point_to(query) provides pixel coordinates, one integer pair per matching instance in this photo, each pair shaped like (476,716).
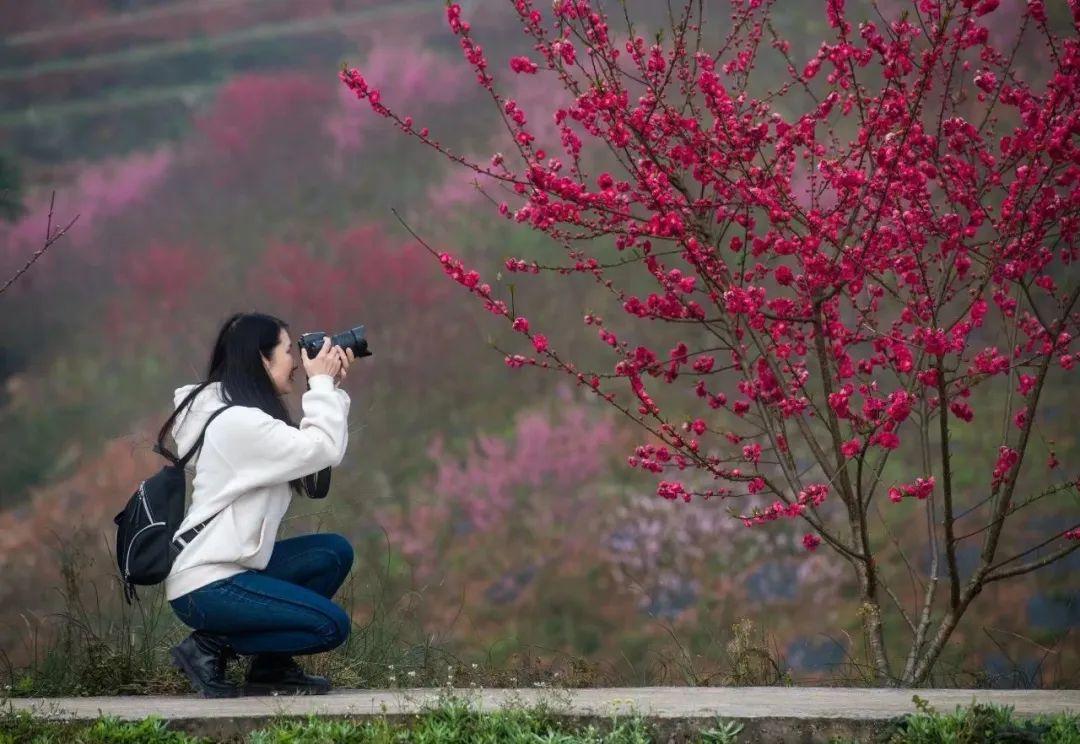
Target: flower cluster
(919,489)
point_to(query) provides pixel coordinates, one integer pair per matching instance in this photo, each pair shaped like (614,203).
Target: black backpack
(145,551)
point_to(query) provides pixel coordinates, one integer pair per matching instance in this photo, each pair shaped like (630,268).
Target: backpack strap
(164,453)
(181,541)
(183,461)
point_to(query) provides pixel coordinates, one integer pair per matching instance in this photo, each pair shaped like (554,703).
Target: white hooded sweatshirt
(243,471)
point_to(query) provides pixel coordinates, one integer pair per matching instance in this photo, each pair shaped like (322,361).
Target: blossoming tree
(846,255)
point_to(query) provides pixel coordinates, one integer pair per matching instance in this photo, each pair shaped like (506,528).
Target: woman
(242,591)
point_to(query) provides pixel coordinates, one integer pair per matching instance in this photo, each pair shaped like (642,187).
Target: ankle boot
(270,673)
(202,657)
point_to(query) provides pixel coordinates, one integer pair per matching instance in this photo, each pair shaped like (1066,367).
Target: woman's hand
(326,362)
(331,360)
(347,357)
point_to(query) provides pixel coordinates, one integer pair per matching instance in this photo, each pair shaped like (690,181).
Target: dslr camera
(350,339)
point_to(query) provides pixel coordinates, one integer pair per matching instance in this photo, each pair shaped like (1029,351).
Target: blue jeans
(284,608)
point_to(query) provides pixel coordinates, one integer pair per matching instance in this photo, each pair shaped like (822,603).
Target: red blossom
(962,410)
(523,64)
(1007,459)
(851,447)
(920,489)
(886,439)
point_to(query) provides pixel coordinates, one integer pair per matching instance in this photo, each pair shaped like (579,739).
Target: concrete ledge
(774,714)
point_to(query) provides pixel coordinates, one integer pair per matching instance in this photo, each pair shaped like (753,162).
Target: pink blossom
(920,489)
(1007,458)
(1020,419)
(899,405)
(851,447)
(962,410)
(523,64)
(1026,384)
(886,439)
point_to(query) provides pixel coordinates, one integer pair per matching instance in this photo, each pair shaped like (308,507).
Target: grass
(99,646)
(980,723)
(19,727)
(454,719)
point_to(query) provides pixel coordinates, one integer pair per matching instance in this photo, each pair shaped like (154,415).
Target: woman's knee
(341,548)
(336,631)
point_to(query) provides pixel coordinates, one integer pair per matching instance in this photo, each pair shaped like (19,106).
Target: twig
(49,240)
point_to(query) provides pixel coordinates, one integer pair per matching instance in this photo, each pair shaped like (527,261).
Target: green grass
(454,719)
(19,727)
(980,723)
(99,646)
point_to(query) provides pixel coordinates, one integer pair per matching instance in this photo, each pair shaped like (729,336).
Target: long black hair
(243,342)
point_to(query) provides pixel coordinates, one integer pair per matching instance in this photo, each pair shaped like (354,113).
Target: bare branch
(1033,565)
(49,240)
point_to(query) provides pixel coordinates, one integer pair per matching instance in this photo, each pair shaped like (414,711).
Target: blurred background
(216,164)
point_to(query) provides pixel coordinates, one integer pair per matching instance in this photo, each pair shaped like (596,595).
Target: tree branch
(1033,565)
(49,240)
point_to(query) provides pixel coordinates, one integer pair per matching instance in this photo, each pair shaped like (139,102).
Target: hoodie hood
(189,423)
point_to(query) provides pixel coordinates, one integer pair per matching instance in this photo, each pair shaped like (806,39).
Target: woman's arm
(265,450)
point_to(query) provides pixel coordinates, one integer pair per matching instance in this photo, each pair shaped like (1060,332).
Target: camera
(350,339)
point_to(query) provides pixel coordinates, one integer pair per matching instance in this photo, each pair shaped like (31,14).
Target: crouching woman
(244,592)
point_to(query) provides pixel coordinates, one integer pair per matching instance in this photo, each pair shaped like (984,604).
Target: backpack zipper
(131,544)
(142,498)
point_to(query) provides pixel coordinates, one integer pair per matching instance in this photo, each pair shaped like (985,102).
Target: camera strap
(317,485)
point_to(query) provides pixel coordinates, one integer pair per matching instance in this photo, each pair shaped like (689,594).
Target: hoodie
(243,471)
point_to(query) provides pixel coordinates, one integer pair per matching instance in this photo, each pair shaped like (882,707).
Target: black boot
(271,673)
(202,658)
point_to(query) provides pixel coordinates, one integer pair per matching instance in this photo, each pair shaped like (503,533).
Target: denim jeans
(284,608)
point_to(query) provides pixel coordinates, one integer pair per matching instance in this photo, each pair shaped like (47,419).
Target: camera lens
(350,339)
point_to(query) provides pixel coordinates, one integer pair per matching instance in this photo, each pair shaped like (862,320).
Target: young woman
(242,591)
